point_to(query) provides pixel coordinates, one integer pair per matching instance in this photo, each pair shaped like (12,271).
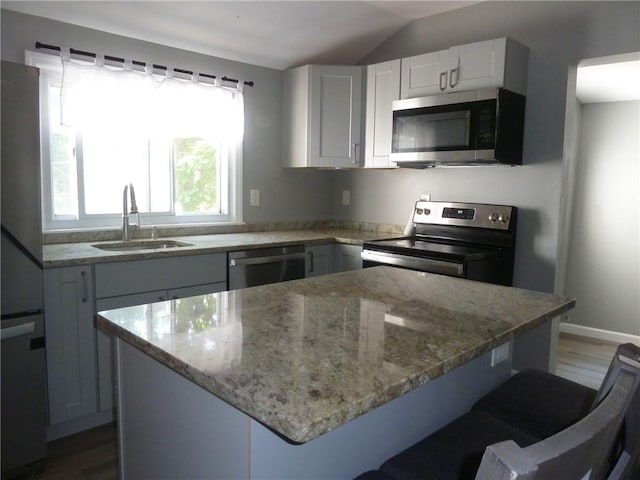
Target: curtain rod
(40,45)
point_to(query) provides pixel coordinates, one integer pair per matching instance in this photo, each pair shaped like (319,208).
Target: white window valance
(124,99)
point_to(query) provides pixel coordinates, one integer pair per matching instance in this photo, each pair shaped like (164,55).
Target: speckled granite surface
(69,254)
(306,356)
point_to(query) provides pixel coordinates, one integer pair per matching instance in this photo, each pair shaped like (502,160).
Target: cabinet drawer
(125,278)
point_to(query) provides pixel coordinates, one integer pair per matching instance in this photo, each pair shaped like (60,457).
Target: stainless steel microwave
(475,127)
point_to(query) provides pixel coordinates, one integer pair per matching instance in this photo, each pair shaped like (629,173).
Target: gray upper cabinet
(322,116)
(496,63)
(383,87)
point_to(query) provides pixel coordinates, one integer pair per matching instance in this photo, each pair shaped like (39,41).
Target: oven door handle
(452,269)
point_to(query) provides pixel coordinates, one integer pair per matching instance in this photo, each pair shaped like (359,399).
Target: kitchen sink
(134,245)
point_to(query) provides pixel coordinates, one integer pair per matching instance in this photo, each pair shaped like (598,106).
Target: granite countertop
(82,253)
(306,356)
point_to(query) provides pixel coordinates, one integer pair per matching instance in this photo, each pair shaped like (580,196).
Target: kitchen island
(317,378)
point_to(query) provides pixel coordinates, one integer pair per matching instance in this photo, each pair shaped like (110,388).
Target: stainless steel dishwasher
(249,268)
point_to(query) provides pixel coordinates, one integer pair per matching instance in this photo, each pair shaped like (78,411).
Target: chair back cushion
(582,450)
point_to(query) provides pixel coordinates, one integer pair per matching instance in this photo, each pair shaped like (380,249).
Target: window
(182,172)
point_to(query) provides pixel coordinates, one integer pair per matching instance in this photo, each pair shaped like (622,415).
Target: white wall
(284,194)
(603,258)
(558,34)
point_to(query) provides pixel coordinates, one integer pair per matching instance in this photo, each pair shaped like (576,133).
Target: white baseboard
(608,335)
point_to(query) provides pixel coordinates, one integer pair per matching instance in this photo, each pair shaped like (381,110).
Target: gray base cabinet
(161,274)
(332,258)
(347,257)
(161,412)
(71,343)
(123,284)
(79,357)
(319,260)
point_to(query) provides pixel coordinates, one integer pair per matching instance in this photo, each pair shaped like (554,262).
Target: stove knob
(493,217)
(504,218)
(427,211)
(419,211)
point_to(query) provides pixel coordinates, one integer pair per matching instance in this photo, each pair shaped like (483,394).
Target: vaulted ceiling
(275,34)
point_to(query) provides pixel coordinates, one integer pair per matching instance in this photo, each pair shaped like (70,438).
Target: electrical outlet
(500,354)
(346,197)
(425,196)
(255,198)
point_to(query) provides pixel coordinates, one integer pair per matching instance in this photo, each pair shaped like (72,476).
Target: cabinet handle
(454,74)
(354,154)
(311,267)
(83,274)
(443,84)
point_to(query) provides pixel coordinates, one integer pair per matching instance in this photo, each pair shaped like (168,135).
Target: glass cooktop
(424,248)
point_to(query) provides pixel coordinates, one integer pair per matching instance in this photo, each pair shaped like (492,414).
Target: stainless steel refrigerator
(23,375)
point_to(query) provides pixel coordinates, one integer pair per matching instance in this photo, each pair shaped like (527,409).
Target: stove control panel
(497,217)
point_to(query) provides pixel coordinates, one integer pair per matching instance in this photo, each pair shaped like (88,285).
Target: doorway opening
(599,232)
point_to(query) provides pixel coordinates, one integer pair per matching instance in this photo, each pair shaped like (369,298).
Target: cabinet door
(421,74)
(295,117)
(348,257)
(477,65)
(335,116)
(383,87)
(106,383)
(138,276)
(196,290)
(71,340)
(319,260)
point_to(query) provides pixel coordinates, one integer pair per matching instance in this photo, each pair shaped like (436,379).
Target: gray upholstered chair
(539,418)
(588,449)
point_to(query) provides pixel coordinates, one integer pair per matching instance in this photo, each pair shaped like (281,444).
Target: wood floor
(89,455)
(93,455)
(584,360)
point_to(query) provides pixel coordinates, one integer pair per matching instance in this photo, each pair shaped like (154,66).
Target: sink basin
(133,245)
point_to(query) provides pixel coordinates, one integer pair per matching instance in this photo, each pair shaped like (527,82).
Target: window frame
(230,195)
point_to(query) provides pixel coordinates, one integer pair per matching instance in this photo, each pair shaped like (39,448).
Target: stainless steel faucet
(126,211)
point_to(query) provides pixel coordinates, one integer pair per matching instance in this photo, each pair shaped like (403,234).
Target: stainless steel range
(466,240)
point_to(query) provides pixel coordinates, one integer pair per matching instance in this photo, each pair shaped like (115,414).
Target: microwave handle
(443,80)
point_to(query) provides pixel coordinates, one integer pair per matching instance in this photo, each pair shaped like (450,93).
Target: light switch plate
(255,198)
(500,354)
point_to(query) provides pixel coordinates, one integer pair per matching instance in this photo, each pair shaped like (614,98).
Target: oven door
(372,258)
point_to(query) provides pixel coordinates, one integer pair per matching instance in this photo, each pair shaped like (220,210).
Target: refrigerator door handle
(18,330)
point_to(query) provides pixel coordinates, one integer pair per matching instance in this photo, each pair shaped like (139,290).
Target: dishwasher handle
(239,262)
